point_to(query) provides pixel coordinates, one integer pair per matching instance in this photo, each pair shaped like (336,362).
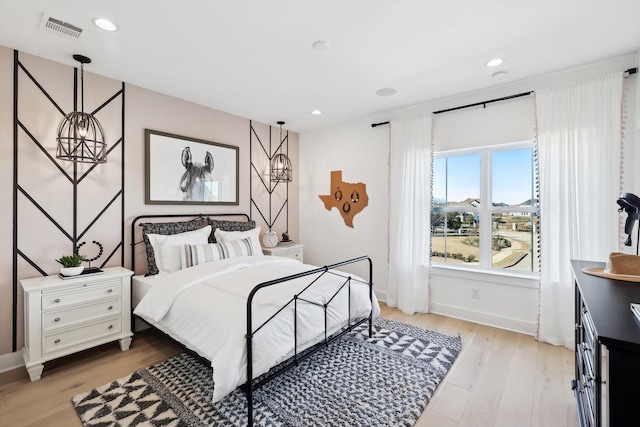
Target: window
(467,231)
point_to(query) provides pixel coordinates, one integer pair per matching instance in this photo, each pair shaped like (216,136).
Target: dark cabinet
(607,349)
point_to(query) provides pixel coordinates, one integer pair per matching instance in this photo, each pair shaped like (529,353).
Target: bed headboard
(137,234)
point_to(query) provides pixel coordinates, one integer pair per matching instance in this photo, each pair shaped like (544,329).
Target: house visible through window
(468,231)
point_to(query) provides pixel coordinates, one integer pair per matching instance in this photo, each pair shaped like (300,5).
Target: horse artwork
(180,170)
(196,183)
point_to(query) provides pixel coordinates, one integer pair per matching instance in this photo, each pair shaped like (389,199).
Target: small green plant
(74,260)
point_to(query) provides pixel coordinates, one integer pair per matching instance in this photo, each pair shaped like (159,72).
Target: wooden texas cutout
(349,199)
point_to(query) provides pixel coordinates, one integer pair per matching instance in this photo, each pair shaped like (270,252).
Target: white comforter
(204,307)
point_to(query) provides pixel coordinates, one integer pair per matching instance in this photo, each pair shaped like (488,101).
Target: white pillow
(230,236)
(199,254)
(166,248)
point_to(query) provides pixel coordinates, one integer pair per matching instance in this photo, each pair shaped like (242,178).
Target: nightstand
(286,250)
(62,317)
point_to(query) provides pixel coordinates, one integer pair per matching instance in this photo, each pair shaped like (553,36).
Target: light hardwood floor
(500,378)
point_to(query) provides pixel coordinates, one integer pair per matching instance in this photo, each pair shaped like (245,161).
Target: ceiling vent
(60,27)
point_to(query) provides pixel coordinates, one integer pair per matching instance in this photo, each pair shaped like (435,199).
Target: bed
(209,287)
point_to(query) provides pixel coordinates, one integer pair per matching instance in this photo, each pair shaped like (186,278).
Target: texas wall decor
(350,199)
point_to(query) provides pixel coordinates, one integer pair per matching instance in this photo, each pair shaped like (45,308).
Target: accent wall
(144,109)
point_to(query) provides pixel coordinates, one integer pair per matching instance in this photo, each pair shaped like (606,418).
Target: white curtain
(579,132)
(409,214)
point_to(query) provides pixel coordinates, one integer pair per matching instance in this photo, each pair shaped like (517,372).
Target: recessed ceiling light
(386,91)
(494,62)
(105,24)
(500,75)
(316,112)
(321,45)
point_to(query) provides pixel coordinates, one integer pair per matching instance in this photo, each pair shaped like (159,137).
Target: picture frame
(181,170)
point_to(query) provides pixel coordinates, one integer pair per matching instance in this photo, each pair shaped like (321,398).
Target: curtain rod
(627,72)
(379,124)
(504,98)
(467,106)
(484,103)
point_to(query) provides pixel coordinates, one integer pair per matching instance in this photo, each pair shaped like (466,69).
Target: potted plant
(71,264)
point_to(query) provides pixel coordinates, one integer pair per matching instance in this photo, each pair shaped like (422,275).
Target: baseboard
(11,361)
(381,295)
(515,325)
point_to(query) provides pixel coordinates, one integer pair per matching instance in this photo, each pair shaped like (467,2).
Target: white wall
(362,152)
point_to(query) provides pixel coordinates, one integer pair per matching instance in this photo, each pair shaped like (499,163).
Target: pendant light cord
(82,87)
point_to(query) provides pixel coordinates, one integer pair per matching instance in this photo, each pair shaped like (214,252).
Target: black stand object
(630,203)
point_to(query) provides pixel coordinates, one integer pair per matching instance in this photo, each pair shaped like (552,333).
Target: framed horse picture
(183,170)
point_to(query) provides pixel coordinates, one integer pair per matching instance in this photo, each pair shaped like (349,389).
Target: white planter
(71,271)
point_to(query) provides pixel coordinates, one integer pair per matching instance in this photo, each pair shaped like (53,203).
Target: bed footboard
(252,384)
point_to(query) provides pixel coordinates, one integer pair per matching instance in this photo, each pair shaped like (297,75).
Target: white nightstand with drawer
(62,317)
(287,250)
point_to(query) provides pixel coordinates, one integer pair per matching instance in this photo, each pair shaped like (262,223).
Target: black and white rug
(356,381)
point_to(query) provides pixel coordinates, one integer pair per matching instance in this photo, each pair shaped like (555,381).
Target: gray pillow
(166,228)
(229,226)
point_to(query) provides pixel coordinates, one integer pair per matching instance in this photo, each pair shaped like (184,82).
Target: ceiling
(254,58)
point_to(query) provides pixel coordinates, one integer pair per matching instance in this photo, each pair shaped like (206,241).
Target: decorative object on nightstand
(89,269)
(286,250)
(71,264)
(64,317)
(270,239)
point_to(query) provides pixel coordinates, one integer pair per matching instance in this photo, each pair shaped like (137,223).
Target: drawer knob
(57,341)
(57,319)
(110,307)
(110,326)
(110,290)
(56,300)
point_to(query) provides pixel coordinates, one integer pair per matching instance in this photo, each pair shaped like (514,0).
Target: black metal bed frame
(253,384)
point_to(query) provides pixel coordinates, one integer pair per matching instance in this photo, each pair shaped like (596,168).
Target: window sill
(512,278)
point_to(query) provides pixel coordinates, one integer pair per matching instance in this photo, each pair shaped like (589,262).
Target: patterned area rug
(356,381)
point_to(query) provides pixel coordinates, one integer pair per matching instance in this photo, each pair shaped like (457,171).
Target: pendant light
(80,135)
(281,170)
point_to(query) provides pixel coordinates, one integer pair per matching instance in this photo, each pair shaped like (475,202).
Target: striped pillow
(199,254)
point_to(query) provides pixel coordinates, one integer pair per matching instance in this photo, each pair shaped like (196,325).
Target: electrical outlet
(475,293)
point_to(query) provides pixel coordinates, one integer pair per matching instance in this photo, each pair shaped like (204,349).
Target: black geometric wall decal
(74,235)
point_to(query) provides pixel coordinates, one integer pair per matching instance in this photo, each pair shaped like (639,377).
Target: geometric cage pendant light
(281,170)
(80,135)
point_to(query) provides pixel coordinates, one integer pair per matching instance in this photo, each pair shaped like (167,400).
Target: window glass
(463,180)
(513,241)
(508,238)
(512,177)
(439,189)
(455,238)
